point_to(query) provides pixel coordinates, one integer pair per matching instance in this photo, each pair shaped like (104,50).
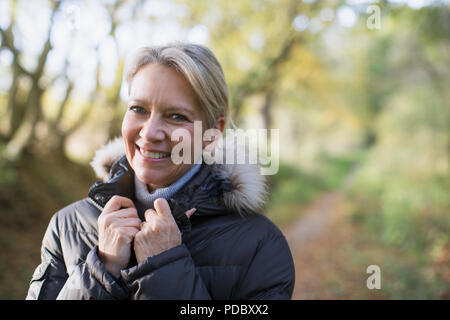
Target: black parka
(227,251)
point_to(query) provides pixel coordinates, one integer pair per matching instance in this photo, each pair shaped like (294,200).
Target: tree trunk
(25,132)
(266,110)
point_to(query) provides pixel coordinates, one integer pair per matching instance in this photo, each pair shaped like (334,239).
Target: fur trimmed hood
(249,192)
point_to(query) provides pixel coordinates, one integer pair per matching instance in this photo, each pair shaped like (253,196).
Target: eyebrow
(167,107)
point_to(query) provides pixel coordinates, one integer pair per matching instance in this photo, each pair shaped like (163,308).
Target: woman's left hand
(159,232)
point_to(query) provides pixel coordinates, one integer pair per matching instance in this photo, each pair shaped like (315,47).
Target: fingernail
(190,212)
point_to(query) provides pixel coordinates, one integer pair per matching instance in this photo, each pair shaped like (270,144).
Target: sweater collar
(146,198)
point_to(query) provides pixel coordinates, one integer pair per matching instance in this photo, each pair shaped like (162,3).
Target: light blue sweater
(146,198)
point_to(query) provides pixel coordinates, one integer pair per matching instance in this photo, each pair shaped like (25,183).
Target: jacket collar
(215,189)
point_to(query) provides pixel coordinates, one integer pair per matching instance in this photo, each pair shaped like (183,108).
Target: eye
(138,110)
(178,117)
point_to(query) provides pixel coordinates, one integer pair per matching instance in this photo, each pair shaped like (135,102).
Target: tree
(24,110)
(260,32)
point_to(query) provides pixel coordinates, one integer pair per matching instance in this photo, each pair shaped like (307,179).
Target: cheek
(124,126)
(188,136)
(129,132)
(186,141)
(129,128)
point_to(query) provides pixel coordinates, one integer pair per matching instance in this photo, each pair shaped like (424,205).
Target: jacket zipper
(99,207)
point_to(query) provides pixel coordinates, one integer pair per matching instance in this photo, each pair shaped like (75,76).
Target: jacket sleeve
(271,273)
(168,275)
(89,279)
(50,276)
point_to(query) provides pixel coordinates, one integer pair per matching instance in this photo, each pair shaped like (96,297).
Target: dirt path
(313,241)
(314,220)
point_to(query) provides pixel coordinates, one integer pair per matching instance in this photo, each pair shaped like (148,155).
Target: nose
(153,129)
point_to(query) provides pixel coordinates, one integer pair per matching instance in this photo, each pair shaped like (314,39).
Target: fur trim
(249,195)
(250,191)
(106,156)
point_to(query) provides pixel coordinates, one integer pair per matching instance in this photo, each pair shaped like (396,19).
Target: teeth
(154,155)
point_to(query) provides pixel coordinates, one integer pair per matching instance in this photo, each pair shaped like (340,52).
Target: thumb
(162,207)
(148,213)
(190,212)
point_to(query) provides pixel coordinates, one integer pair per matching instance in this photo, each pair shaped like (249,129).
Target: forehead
(156,84)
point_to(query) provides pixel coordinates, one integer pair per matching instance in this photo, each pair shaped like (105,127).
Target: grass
(41,186)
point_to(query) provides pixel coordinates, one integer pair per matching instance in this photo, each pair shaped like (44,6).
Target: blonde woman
(156,229)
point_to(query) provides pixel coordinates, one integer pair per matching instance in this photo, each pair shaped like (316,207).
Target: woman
(153,229)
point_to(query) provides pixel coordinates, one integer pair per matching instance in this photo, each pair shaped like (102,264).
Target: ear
(220,123)
(220,126)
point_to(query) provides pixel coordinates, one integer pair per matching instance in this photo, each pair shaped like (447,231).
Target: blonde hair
(199,66)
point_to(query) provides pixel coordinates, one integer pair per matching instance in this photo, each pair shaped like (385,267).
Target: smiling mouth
(153,155)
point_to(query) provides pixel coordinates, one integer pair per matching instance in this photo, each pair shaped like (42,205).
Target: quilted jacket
(228,250)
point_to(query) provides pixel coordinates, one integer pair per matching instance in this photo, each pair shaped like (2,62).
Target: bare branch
(47,46)
(63,103)
(7,42)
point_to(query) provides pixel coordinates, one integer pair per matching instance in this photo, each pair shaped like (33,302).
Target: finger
(162,207)
(116,203)
(148,213)
(126,213)
(129,232)
(110,217)
(129,222)
(190,212)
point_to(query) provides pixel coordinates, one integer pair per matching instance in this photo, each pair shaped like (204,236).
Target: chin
(159,176)
(150,177)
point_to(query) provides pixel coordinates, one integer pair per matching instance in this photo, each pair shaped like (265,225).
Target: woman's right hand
(117,225)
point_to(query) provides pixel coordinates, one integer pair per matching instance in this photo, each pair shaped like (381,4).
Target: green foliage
(400,191)
(291,188)
(8,173)
(292,185)
(401,196)
(335,169)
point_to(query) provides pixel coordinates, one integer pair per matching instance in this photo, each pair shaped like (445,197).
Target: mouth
(153,155)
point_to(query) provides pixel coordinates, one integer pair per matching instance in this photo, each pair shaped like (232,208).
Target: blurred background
(359,90)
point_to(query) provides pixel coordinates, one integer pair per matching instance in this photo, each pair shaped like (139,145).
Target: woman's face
(161,101)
